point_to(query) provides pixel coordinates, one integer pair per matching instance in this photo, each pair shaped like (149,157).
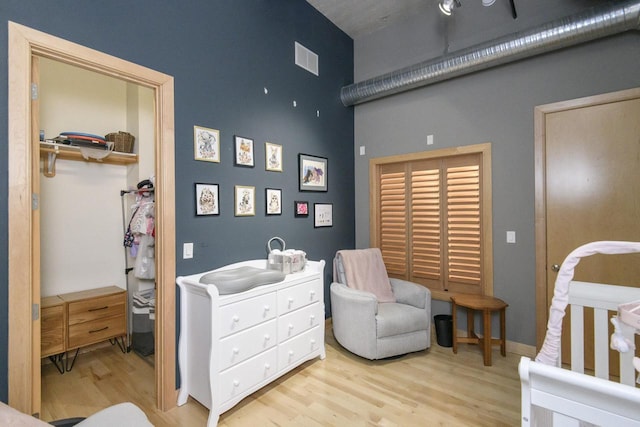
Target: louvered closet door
(463,224)
(392,230)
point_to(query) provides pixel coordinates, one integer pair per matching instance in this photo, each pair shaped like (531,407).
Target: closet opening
(69,190)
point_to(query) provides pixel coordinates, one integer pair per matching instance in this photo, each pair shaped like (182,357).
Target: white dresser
(232,345)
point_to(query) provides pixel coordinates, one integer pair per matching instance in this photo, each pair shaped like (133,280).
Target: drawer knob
(267,308)
(313,342)
(312,293)
(236,383)
(267,337)
(236,350)
(290,326)
(312,317)
(236,318)
(267,366)
(290,301)
(291,353)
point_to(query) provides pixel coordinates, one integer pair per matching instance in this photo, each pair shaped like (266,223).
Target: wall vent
(306,59)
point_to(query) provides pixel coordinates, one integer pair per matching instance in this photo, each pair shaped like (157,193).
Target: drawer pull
(99,330)
(267,366)
(99,308)
(236,383)
(267,308)
(312,293)
(290,302)
(236,350)
(267,337)
(236,318)
(290,326)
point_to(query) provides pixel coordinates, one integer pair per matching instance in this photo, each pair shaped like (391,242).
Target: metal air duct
(596,23)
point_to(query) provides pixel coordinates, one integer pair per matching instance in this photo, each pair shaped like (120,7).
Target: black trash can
(444,329)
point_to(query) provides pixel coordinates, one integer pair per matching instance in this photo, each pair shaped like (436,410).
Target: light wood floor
(431,388)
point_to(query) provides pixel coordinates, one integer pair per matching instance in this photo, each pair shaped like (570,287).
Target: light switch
(187,251)
(511,236)
(362,150)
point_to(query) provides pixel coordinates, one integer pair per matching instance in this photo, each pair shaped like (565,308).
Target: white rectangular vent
(306,59)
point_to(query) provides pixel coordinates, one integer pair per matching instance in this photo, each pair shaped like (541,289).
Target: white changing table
(232,345)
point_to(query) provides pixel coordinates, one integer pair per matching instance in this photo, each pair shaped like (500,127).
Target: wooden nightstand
(78,319)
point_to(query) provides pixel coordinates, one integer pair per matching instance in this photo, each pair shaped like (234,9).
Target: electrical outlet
(511,236)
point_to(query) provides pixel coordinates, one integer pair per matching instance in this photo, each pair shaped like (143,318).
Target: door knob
(555,267)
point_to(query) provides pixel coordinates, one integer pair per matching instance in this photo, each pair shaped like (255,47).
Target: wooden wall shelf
(50,152)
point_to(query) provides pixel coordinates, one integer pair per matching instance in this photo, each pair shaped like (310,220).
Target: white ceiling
(359,17)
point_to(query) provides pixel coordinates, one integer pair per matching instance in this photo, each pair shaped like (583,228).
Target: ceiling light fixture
(446,6)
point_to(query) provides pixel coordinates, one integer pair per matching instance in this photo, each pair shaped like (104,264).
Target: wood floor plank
(429,388)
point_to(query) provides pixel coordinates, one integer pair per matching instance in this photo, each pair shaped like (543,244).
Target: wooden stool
(487,305)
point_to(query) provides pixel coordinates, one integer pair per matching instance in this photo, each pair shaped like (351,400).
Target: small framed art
(312,173)
(273,157)
(301,208)
(206,144)
(245,200)
(273,201)
(323,215)
(207,199)
(243,151)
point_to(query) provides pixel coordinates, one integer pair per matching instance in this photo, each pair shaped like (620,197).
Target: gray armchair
(373,329)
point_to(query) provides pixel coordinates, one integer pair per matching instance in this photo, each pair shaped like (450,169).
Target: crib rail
(601,298)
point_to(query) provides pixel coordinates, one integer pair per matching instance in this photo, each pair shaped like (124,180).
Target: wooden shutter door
(463,224)
(392,231)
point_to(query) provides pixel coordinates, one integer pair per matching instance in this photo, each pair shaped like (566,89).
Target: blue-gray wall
(222,55)
(494,105)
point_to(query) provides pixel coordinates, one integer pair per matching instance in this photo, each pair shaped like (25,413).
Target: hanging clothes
(140,236)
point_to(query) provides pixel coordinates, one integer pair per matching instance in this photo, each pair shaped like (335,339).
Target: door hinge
(35,312)
(34,201)
(34,91)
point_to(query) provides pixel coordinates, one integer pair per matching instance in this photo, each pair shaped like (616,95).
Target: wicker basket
(122,141)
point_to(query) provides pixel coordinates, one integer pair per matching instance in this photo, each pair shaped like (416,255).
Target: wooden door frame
(23,174)
(540,113)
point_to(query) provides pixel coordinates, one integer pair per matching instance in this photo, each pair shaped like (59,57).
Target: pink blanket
(364,270)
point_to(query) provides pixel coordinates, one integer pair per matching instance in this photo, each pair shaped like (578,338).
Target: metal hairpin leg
(75,356)
(57,360)
(121,343)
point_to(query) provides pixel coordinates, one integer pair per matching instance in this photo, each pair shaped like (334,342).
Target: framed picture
(273,157)
(273,201)
(312,173)
(323,215)
(301,208)
(245,201)
(243,151)
(206,143)
(207,199)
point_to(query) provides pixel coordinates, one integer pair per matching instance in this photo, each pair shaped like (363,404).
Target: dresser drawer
(244,314)
(298,321)
(87,333)
(298,347)
(297,296)
(235,381)
(52,328)
(96,308)
(243,345)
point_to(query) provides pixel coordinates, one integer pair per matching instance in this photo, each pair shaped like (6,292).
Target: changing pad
(241,279)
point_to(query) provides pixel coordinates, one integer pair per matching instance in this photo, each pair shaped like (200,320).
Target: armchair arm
(411,293)
(354,319)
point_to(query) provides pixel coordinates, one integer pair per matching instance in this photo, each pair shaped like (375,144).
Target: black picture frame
(207,197)
(312,173)
(322,215)
(301,208)
(243,152)
(273,201)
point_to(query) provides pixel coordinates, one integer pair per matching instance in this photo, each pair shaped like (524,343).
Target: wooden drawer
(52,326)
(88,333)
(101,307)
(297,296)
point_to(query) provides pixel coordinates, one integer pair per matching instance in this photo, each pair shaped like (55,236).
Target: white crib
(552,396)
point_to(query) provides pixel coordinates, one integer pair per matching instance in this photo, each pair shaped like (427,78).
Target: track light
(446,6)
